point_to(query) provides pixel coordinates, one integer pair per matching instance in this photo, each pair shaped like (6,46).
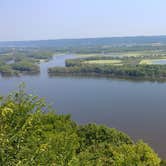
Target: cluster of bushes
(32,55)
(18,67)
(32,134)
(6,70)
(41,55)
(25,66)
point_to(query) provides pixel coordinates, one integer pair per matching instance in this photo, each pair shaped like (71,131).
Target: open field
(87,55)
(153,62)
(138,54)
(131,54)
(121,54)
(112,62)
(154,53)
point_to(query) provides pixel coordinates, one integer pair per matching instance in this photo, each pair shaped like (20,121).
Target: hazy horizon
(52,19)
(83,38)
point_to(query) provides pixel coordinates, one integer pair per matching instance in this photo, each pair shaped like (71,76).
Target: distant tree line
(131,70)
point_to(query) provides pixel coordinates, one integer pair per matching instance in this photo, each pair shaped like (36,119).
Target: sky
(57,19)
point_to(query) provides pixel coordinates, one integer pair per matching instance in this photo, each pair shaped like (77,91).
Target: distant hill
(86,42)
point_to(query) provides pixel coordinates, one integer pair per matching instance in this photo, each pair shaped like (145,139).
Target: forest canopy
(31,133)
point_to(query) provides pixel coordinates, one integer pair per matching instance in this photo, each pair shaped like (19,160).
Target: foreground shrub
(32,134)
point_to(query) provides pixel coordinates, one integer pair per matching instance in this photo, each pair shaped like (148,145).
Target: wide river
(135,107)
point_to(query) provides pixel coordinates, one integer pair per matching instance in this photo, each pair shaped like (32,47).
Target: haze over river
(135,107)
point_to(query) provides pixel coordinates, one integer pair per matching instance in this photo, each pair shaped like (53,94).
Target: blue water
(159,62)
(137,108)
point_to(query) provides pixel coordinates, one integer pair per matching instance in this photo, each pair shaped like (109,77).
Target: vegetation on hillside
(33,134)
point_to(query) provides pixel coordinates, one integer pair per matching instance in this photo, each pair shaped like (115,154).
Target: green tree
(33,134)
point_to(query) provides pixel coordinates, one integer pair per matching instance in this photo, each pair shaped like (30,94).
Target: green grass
(146,62)
(126,54)
(129,54)
(113,62)
(87,55)
(139,54)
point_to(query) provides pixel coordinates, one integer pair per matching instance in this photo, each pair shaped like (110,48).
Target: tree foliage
(32,134)
(130,68)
